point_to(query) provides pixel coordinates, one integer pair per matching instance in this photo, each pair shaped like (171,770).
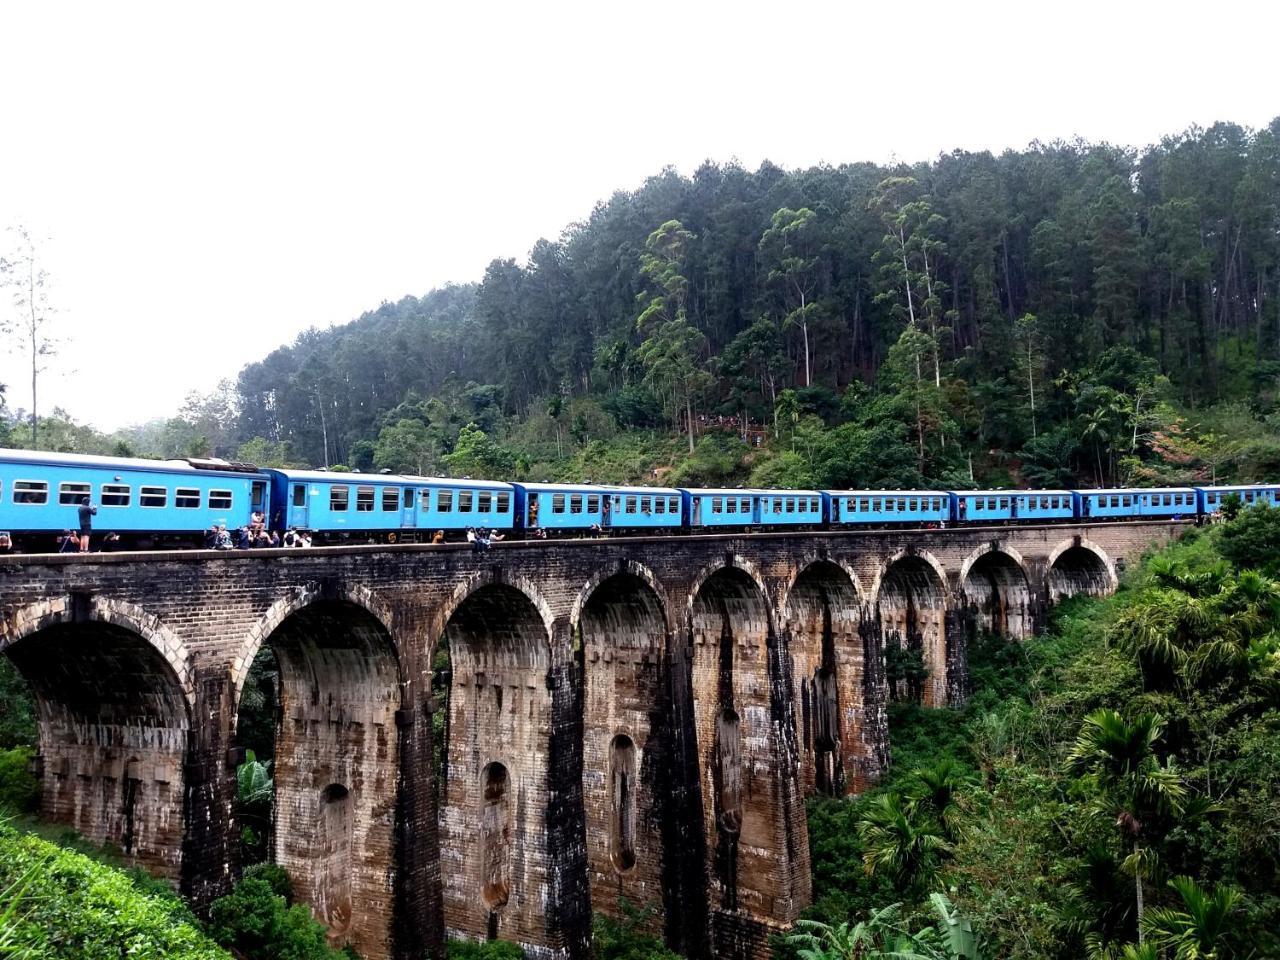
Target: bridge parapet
(626,717)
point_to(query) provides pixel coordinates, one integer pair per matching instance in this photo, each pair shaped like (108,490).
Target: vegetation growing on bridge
(1115,779)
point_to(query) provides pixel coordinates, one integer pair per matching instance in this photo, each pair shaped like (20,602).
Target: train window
(864,505)
(575,503)
(116,494)
(484,502)
(660,505)
(631,504)
(153,497)
(913,504)
(299,494)
(364,499)
(30,491)
(464,501)
(70,494)
(646,505)
(444,501)
(744,506)
(731,505)
(557,503)
(813,505)
(1004,503)
(593,503)
(890,505)
(504,502)
(408,498)
(1128,501)
(673,504)
(338,497)
(717,505)
(220,499)
(391,498)
(188,498)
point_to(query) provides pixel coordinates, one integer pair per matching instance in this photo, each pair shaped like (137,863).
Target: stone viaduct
(626,718)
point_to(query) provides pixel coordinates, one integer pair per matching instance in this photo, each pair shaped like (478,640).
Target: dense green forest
(1068,313)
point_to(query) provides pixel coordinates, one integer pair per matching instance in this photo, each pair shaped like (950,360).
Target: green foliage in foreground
(19,789)
(1109,791)
(258,922)
(484,950)
(73,908)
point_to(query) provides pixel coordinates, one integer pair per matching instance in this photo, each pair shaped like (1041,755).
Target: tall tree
(790,250)
(28,281)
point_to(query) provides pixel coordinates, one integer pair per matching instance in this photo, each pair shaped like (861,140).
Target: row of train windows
(367,499)
(36,492)
(892,505)
(771,504)
(1109,501)
(574,503)
(1246,496)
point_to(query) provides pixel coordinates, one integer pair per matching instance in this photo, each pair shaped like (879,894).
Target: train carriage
(1123,502)
(994,506)
(711,508)
(1209,499)
(344,506)
(888,506)
(147,502)
(578,507)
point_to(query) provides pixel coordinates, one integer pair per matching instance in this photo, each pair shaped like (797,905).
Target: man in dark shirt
(87,511)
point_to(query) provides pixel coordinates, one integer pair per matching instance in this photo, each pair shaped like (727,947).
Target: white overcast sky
(215,178)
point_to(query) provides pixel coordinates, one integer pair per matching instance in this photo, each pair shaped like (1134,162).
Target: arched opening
(737,740)
(836,710)
(622,803)
(113,732)
(493,818)
(333,851)
(1078,570)
(495,838)
(325,687)
(998,595)
(912,609)
(624,640)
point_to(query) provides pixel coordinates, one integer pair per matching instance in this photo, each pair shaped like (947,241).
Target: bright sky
(215,178)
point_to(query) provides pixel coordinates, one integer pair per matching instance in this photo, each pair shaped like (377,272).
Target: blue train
(155,503)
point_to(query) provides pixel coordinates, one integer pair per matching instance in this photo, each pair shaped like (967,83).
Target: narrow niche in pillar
(729,770)
(334,876)
(622,798)
(826,732)
(495,842)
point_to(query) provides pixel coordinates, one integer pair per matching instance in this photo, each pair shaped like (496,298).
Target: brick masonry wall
(558,649)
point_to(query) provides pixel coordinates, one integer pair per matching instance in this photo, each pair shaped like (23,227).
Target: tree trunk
(1031,385)
(688,411)
(1137,883)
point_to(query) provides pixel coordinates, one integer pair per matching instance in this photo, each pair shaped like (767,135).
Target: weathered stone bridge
(637,718)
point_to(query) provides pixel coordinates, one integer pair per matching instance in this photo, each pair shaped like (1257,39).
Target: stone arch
(624,631)
(746,753)
(337,755)
(731,562)
(298,598)
(475,582)
(113,695)
(823,615)
(996,588)
(912,598)
(499,717)
(1079,566)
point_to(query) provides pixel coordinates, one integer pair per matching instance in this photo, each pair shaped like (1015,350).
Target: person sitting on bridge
(111,542)
(6,542)
(223,541)
(256,523)
(68,542)
(439,537)
(211,537)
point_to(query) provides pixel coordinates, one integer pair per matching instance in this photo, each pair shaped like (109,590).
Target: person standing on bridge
(87,511)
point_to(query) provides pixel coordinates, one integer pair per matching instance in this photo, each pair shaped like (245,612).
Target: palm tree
(936,790)
(880,937)
(1198,930)
(894,840)
(1119,756)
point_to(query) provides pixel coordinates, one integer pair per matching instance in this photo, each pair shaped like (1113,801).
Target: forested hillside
(1068,313)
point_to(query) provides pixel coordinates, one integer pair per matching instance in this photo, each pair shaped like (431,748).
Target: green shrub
(276,876)
(75,909)
(628,938)
(484,950)
(257,923)
(19,789)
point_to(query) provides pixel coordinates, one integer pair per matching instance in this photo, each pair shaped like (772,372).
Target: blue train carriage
(147,502)
(1209,499)
(386,507)
(578,507)
(879,507)
(1122,503)
(997,506)
(711,508)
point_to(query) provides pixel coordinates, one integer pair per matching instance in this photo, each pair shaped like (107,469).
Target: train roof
(598,488)
(52,459)
(1242,486)
(746,492)
(328,476)
(1133,490)
(1012,492)
(884,493)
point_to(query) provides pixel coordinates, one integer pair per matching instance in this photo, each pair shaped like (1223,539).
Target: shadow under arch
(1079,566)
(839,710)
(911,604)
(496,826)
(113,705)
(997,590)
(337,759)
(628,779)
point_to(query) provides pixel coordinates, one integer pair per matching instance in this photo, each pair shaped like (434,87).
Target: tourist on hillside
(87,511)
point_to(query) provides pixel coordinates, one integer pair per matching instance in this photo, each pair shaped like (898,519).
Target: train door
(258,497)
(408,515)
(298,506)
(755,510)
